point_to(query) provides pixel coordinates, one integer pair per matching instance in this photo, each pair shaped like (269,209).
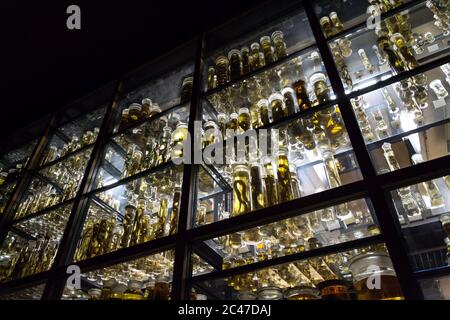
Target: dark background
(44,65)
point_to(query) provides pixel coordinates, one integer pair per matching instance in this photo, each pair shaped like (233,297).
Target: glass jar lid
(245,50)
(234,52)
(255,46)
(146,102)
(234,115)
(370,263)
(243,110)
(270,293)
(135,107)
(277,36)
(263,103)
(222,117)
(302,290)
(96,292)
(246,295)
(324,20)
(275,96)
(264,39)
(221,60)
(316,77)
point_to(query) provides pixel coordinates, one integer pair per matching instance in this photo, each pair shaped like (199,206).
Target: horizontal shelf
(433,273)
(253,73)
(215,275)
(141,174)
(303,205)
(64,157)
(383,16)
(22,234)
(106,207)
(25,282)
(42,212)
(149,119)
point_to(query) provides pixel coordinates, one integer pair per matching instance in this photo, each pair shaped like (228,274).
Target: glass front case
(31,244)
(423,212)
(147,278)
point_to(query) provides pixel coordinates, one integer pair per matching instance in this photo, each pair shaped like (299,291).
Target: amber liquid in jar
(277,107)
(284,176)
(244,119)
(302,95)
(222,70)
(390,289)
(241,190)
(234,56)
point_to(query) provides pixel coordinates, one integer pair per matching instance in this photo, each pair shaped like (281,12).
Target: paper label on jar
(433,48)
(439,103)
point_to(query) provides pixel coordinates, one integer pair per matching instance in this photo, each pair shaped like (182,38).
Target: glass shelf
(423,212)
(54,184)
(147,278)
(31,246)
(405,120)
(317,160)
(13,162)
(309,279)
(135,212)
(31,293)
(6,191)
(338,224)
(418,41)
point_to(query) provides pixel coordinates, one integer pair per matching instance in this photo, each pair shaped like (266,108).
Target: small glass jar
(135,112)
(301,92)
(162,288)
(337,24)
(222,123)
(222,70)
(146,107)
(279,44)
(319,83)
(246,60)
(326,25)
(334,290)
(134,291)
(257,60)
(314,243)
(124,119)
(95,294)
(367,266)
(277,106)
(186,89)
(244,119)
(290,100)
(264,111)
(212,78)
(270,293)
(302,293)
(235,59)
(211,132)
(438,89)
(179,135)
(233,122)
(269,53)
(331,169)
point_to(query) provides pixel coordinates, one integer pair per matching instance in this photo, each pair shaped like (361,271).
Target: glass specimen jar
(433,192)
(279,44)
(438,89)
(222,70)
(212,78)
(135,112)
(290,100)
(302,293)
(326,25)
(212,133)
(241,190)
(124,119)
(162,288)
(366,62)
(270,293)
(146,106)
(154,110)
(244,120)
(405,51)
(295,182)
(264,112)
(337,24)
(381,126)
(257,60)
(390,156)
(331,169)
(259,195)
(134,291)
(334,290)
(269,182)
(319,83)
(235,59)
(94,294)
(374,265)
(222,123)
(233,122)
(277,106)
(302,95)
(283,176)
(179,135)
(246,295)
(246,60)
(267,49)
(186,89)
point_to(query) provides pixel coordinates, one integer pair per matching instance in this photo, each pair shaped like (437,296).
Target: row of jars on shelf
(13,173)
(65,177)
(243,61)
(20,258)
(321,278)
(88,137)
(151,213)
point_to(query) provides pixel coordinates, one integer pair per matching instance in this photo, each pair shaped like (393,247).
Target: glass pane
(399,43)
(339,276)
(73,135)
(258,39)
(157,86)
(329,226)
(423,211)
(338,15)
(200,266)
(32,293)
(147,278)
(54,184)
(6,191)
(13,162)
(143,147)
(304,157)
(404,124)
(436,288)
(138,211)
(31,245)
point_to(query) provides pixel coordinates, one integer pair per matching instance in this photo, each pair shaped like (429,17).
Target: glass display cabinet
(291,153)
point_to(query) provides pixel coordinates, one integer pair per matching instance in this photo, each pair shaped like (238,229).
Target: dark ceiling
(45,65)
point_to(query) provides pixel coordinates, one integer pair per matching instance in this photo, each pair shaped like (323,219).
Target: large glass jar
(186,89)
(222,70)
(246,60)
(179,135)
(269,54)
(241,190)
(258,60)
(235,59)
(374,277)
(279,44)
(277,106)
(135,112)
(319,83)
(264,112)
